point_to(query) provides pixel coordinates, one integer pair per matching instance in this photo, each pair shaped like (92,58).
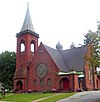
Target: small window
(40,51)
(22,47)
(34,82)
(41,82)
(89,74)
(49,82)
(32,47)
(21,72)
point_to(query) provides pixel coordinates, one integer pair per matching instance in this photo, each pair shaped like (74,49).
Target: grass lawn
(11,97)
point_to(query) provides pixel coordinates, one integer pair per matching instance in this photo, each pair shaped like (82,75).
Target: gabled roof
(27,25)
(66,60)
(57,57)
(75,57)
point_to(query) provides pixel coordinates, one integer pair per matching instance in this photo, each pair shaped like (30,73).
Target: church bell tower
(27,44)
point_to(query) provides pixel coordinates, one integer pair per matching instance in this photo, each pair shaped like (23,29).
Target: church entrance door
(65,84)
(19,86)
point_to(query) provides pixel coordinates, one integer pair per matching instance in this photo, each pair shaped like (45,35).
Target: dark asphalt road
(88,96)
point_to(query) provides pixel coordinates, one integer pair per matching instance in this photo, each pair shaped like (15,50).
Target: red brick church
(41,68)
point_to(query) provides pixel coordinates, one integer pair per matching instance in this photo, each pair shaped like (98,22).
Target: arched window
(49,82)
(41,82)
(32,46)
(22,47)
(34,82)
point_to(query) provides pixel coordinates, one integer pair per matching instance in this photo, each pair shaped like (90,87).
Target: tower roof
(27,25)
(59,46)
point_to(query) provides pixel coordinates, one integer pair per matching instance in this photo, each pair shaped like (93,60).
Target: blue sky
(54,20)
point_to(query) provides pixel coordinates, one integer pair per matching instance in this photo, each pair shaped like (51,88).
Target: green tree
(94,39)
(7,68)
(98,33)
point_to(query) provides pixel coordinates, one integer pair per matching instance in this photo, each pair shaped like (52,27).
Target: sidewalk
(46,97)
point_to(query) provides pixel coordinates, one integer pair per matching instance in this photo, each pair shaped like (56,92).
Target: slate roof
(57,57)
(75,58)
(27,25)
(68,59)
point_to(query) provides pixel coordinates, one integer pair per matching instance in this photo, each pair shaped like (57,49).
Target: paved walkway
(46,97)
(88,96)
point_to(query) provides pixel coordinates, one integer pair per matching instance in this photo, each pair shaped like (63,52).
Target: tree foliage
(94,61)
(94,39)
(7,68)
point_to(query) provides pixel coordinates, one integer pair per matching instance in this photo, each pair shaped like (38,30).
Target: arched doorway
(19,86)
(65,84)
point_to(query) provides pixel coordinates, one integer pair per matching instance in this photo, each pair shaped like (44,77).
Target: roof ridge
(49,47)
(76,47)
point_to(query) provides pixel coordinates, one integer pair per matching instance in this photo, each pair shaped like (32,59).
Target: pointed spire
(27,25)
